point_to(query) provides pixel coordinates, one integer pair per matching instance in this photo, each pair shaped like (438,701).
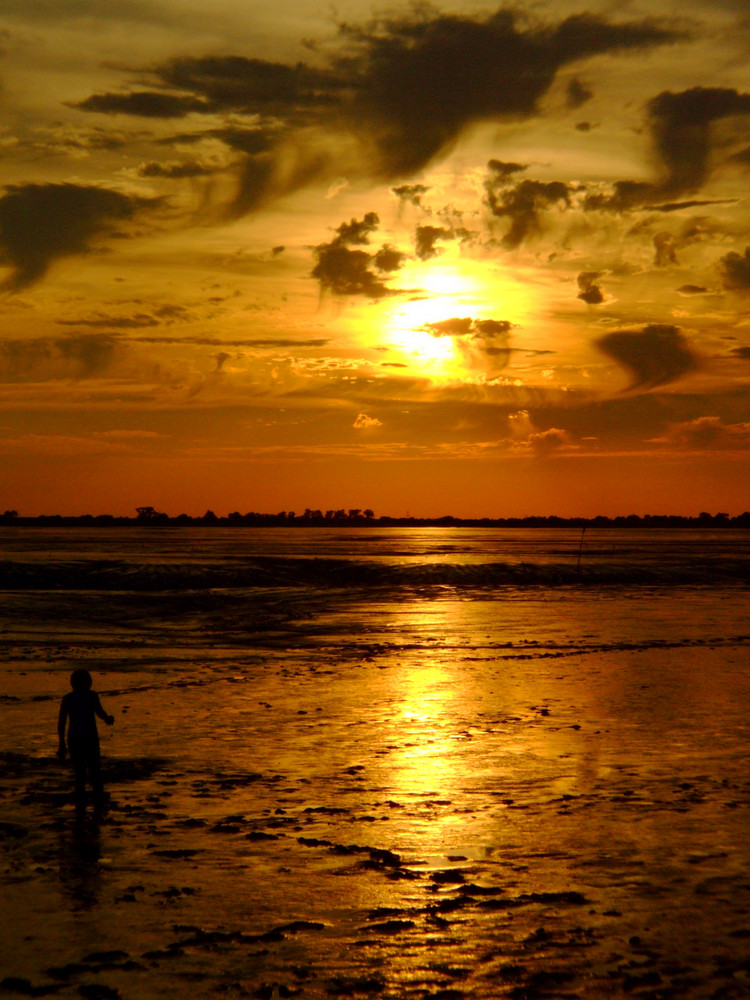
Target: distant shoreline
(150,518)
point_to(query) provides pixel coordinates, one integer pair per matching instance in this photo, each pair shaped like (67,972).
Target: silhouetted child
(79,708)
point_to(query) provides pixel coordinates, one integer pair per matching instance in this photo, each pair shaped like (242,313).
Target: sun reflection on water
(427,758)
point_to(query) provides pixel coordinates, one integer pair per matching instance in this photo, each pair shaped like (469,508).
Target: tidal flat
(391,789)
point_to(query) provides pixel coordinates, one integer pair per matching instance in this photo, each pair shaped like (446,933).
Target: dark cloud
(347,272)
(256,86)
(680,127)
(45,358)
(455,327)
(188,168)
(272,342)
(656,355)
(267,176)
(461,326)
(523,203)
(388,259)
(493,327)
(590,290)
(404,87)
(736,270)
(679,206)
(490,344)
(90,355)
(412,193)
(72,10)
(549,442)
(741,352)
(665,245)
(252,140)
(637,194)
(75,142)
(625,195)
(172,313)
(39,223)
(358,231)
(577,93)
(419,81)
(144,104)
(246,140)
(501,170)
(692,290)
(426,238)
(22,360)
(681,131)
(135,322)
(343,271)
(162,315)
(700,229)
(588,35)
(710,432)
(485,343)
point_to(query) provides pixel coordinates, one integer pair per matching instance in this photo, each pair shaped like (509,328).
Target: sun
(444,293)
(449,289)
(410,332)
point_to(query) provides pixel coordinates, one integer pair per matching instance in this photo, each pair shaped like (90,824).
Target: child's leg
(78,757)
(93,759)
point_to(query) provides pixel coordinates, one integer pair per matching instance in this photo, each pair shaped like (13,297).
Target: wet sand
(340,793)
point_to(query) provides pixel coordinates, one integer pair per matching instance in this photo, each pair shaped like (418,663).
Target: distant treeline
(149,517)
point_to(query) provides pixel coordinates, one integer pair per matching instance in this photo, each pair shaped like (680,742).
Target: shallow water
(139,558)
(390,791)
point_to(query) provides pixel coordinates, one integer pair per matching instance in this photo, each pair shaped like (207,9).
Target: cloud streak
(144,104)
(43,358)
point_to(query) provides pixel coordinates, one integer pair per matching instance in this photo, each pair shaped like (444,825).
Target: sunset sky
(428,259)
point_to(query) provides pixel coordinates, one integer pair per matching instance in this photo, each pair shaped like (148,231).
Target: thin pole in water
(580,549)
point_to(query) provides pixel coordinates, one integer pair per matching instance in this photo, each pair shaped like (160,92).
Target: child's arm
(109,719)
(61,719)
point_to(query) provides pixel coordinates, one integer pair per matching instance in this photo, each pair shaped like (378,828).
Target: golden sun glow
(410,334)
(445,292)
(452,289)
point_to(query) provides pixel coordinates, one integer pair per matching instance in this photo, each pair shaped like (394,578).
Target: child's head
(80,680)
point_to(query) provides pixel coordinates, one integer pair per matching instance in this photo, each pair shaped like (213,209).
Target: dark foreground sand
(389,796)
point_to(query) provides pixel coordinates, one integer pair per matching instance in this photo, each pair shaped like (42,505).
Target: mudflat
(381,792)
